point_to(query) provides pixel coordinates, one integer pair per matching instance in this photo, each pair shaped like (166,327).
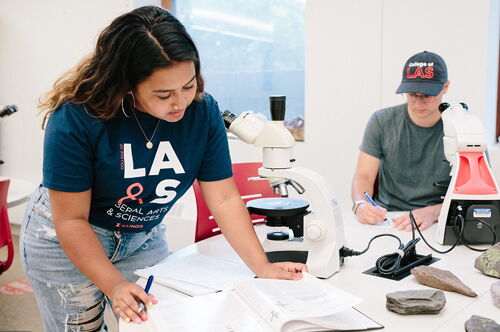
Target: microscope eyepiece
(277,105)
(443,107)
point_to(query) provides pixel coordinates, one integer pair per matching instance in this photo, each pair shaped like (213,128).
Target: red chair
(205,222)
(5,234)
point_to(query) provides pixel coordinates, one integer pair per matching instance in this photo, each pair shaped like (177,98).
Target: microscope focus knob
(314,232)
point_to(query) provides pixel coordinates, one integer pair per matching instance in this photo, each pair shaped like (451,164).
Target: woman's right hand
(126,297)
(369,214)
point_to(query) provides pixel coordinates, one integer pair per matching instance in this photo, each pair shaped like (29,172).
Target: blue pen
(368,197)
(146,289)
(372,202)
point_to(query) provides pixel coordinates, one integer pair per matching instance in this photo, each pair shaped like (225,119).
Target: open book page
(219,312)
(214,274)
(281,301)
(347,320)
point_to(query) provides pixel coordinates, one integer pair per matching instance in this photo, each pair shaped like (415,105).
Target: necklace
(149,144)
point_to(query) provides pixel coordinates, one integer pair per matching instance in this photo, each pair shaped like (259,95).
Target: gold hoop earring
(133,98)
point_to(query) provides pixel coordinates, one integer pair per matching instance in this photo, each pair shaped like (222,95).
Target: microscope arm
(275,140)
(252,130)
(463,131)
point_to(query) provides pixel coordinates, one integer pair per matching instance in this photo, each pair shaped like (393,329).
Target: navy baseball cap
(424,73)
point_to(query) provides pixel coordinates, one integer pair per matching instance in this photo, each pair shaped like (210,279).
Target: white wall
(355,50)
(39,40)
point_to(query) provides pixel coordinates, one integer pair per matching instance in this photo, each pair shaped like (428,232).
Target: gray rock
(441,279)
(489,262)
(416,302)
(481,324)
(495,293)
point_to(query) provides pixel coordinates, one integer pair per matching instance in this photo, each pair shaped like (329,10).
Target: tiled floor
(20,312)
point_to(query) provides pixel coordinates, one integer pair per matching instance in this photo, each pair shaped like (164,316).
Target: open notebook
(196,274)
(308,304)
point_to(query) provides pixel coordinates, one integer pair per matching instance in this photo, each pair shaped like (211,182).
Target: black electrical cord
(386,264)
(465,242)
(346,252)
(460,222)
(415,226)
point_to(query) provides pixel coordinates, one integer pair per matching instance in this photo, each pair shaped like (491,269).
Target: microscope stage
(277,206)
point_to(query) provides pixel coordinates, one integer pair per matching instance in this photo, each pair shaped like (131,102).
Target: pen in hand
(146,289)
(372,202)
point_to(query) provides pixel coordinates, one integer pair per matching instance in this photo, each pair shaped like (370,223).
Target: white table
(19,191)
(460,261)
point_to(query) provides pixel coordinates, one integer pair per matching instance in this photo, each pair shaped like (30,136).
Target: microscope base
(476,213)
(296,256)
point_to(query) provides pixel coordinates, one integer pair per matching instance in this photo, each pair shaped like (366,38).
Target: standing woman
(128,131)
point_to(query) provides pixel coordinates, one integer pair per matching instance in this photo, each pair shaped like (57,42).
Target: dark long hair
(127,52)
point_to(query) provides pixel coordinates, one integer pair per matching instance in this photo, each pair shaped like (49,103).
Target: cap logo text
(419,72)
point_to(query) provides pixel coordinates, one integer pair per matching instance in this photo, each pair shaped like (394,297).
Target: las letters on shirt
(164,150)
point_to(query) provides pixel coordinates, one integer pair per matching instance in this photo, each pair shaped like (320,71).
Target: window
(250,50)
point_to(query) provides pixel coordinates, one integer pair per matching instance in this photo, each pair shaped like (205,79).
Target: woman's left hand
(282,270)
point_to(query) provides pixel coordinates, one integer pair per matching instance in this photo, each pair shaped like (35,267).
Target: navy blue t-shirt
(133,187)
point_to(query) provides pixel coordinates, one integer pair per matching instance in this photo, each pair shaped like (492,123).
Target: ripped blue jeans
(67,299)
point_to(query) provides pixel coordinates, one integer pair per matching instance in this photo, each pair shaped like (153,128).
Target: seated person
(403,144)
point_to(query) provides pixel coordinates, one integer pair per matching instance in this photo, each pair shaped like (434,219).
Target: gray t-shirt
(411,159)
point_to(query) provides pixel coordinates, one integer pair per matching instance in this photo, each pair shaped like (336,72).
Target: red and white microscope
(472,202)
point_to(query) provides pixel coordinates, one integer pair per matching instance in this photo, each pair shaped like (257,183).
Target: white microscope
(472,200)
(318,233)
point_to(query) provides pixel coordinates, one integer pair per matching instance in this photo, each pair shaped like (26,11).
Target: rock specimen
(441,279)
(416,302)
(495,293)
(489,262)
(481,324)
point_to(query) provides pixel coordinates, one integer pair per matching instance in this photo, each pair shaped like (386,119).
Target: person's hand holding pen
(124,297)
(370,213)
(146,289)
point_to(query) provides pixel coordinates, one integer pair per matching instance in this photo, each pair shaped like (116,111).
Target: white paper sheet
(199,270)
(220,312)
(390,215)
